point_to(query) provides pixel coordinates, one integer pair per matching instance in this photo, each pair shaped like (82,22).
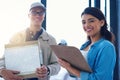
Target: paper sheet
(24,58)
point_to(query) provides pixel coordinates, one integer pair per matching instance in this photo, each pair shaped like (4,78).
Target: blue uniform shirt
(101,58)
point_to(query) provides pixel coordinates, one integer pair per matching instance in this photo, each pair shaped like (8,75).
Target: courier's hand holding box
(23,57)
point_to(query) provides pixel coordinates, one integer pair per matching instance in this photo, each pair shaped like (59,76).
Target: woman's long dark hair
(99,15)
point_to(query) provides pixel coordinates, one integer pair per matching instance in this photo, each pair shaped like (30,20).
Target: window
(13,18)
(64,20)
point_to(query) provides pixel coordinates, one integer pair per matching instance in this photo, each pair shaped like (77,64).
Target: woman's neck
(95,38)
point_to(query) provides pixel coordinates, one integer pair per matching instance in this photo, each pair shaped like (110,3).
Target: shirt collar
(88,42)
(44,35)
(40,34)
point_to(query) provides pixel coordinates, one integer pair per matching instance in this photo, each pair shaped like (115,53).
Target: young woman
(99,50)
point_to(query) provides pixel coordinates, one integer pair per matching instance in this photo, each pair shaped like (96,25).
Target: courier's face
(36,16)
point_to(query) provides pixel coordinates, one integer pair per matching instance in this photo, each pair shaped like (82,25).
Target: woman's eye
(83,22)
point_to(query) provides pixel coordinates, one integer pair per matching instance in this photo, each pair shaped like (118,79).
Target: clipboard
(23,57)
(72,55)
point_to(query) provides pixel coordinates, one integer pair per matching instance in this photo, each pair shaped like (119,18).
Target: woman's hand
(64,64)
(70,69)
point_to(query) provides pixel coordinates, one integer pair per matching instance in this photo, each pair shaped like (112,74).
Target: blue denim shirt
(101,58)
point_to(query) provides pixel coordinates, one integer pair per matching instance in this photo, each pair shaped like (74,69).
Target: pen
(40,53)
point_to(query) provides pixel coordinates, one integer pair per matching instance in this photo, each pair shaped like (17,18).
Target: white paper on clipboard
(23,57)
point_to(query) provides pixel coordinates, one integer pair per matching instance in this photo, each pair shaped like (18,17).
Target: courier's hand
(42,72)
(10,75)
